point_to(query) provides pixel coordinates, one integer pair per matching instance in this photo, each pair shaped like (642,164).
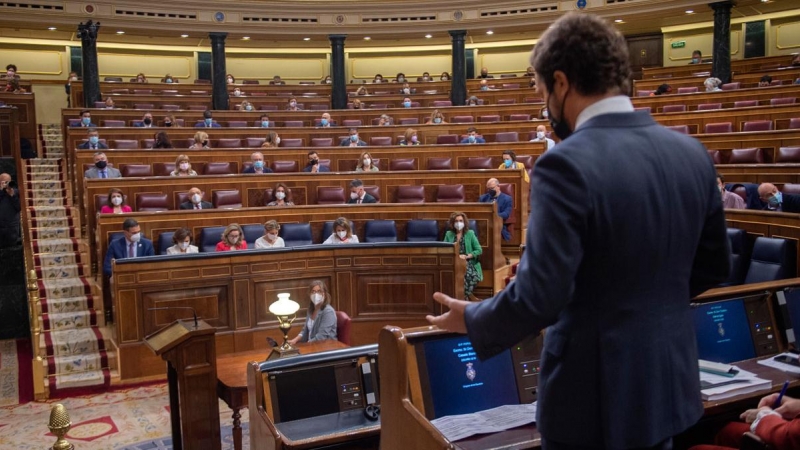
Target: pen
(780,396)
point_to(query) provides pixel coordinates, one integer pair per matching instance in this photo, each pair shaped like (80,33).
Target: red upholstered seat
(731,86)
(526,160)
(673,108)
(268,107)
(715,156)
(719,127)
(791,188)
(440,103)
(284,166)
(124,143)
(321,142)
(142,91)
(506,101)
(746,156)
(507,136)
(410,194)
(757,125)
(709,106)
(745,103)
(148,201)
(343,327)
(409,121)
(218,168)
(462,119)
(253,142)
(480,162)
(515,117)
(643,108)
(237,123)
(489,118)
(510,86)
(403,164)
(688,90)
(293,123)
(643,93)
(450,193)
(782,101)
(170,107)
(351,122)
(113,123)
(229,143)
(330,195)
(292,142)
(163,169)
(374,191)
(142,105)
(380,141)
(136,170)
(794,123)
(227,199)
(788,155)
(198,107)
(440,163)
(447,139)
(680,128)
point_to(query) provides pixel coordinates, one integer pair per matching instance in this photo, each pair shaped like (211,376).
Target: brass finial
(60,425)
(32,285)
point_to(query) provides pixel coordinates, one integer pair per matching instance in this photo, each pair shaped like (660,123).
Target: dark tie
(132,250)
(197,206)
(359,201)
(103,174)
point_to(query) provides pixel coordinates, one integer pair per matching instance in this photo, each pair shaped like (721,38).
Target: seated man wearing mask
(196,200)
(777,201)
(504,204)
(86,120)
(313,164)
(147,121)
(358,195)
(258,164)
(541,136)
(353,141)
(472,137)
(101,169)
(208,121)
(132,245)
(93,141)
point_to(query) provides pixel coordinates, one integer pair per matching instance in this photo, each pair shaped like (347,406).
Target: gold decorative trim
(190,60)
(778,37)
(34,72)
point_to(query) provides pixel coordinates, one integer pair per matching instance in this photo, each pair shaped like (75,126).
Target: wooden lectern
(190,354)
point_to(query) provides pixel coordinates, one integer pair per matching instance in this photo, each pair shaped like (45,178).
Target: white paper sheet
(492,420)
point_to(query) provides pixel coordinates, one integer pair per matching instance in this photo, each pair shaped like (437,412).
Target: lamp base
(278,353)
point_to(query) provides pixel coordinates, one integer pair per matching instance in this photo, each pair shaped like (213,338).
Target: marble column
(338,79)
(219,96)
(91,74)
(721,65)
(458,77)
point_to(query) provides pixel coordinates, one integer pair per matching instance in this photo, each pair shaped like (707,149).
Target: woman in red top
(115,203)
(232,239)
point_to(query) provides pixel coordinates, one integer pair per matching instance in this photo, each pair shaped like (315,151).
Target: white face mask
(354,195)
(196,198)
(116,201)
(540,135)
(317,299)
(271,237)
(135,237)
(367,161)
(342,234)
(280,195)
(459,226)
(277,141)
(184,166)
(185,245)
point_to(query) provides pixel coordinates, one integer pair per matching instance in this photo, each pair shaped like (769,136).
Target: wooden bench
(747,80)
(737,65)
(26,118)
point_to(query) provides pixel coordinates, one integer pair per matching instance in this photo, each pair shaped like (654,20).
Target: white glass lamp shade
(284,306)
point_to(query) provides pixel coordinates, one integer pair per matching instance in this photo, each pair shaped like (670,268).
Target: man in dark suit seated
(313,164)
(93,141)
(472,137)
(775,200)
(358,195)
(618,242)
(208,121)
(258,164)
(101,169)
(504,204)
(86,120)
(196,200)
(133,245)
(485,73)
(353,140)
(147,121)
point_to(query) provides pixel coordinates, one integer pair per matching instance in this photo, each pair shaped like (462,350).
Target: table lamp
(285,309)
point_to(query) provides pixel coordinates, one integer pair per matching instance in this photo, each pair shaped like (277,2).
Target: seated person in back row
(258,164)
(342,233)
(182,238)
(358,195)
(147,121)
(472,137)
(281,196)
(270,239)
(92,141)
(208,121)
(541,136)
(775,200)
(86,120)
(132,245)
(353,141)
(101,169)
(320,322)
(765,81)
(196,200)
(504,204)
(730,200)
(313,165)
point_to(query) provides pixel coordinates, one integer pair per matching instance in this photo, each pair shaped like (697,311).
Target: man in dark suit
(775,200)
(358,195)
(208,121)
(101,169)
(353,140)
(625,227)
(258,164)
(86,120)
(132,245)
(472,137)
(313,164)
(196,200)
(504,204)
(147,121)
(485,73)
(93,141)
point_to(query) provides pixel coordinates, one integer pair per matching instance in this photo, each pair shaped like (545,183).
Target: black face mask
(147,121)
(101,164)
(205,143)
(491,192)
(167,124)
(560,127)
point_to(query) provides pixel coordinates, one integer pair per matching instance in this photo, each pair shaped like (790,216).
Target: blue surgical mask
(86,120)
(695,60)
(484,88)
(437,120)
(208,121)
(249,107)
(265,124)
(258,164)
(508,163)
(354,137)
(776,199)
(323,122)
(94,140)
(169,80)
(471,139)
(407,104)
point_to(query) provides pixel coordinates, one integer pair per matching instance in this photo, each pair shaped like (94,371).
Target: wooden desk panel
(26,118)
(747,80)
(737,65)
(232,292)
(727,98)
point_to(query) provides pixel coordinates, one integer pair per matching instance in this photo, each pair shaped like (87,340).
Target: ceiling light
(306,39)
(52,28)
(689,11)
(490,32)
(428,36)
(245,38)
(120,32)
(366,38)
(618,21)
(184,35)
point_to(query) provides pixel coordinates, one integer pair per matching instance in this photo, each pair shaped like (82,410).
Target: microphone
(194,312)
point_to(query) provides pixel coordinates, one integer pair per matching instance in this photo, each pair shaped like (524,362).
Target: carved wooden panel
(395,295)
(211,303)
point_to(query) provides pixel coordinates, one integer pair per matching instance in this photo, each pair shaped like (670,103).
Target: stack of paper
(785,362)
(717,387)
(492,420)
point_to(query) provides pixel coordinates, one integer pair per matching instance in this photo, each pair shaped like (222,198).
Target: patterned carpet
(128,419)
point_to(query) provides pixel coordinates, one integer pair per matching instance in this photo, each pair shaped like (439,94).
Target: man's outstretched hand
(452,320)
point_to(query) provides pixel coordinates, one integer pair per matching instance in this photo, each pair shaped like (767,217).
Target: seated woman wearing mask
(270,239)
(292,105)
(169,80)
(365,163)
(169,121)
(342,233)
(445,76)
(115,203)
(246,106)
(161,140)
(200,141)
(232,239)
(140,78)
(183,168)
(436,117)
(281,196)
(183,243)
(410,137)
(357,104)
(272,140)
(320,319)
(469,249)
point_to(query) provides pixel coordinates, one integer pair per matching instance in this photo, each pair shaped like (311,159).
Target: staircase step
(64,288)
(78,341)
(62,271)
(56,259)
(68,320)
(56,246)
(52,222)
(50,211)
(53,233)
(82,382)
(67,305)
(72,364)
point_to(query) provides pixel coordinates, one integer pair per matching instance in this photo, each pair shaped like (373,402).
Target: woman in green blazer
(468,248)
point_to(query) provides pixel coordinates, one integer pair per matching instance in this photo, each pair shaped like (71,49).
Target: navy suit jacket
(504,207)
(203,125)
(367,199)
(478,140)
(619,240)
(118,249)
(86,146)
(252,169)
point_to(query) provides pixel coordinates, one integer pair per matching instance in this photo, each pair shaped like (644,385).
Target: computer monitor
(454,381)
(723,331)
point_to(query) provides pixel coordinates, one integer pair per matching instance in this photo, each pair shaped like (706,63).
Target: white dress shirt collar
(615,104)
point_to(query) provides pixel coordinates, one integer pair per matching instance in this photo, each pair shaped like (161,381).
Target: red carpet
(24,356)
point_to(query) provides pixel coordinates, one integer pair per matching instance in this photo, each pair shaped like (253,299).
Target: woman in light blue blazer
(320,322)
